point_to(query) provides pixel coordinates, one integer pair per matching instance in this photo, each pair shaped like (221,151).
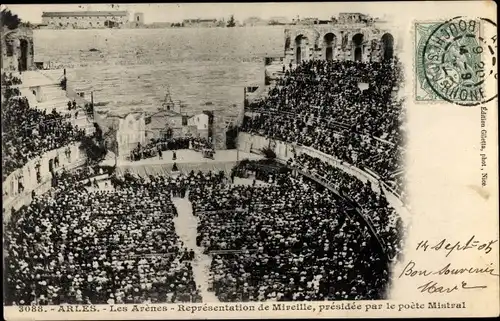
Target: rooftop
(200,20)
(85,13)
(165,113)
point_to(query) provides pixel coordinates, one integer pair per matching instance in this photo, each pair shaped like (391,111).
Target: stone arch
(357,46)
(56,161)
(24,52)
(288,40)
(387,41)
(301,48)
(329,43)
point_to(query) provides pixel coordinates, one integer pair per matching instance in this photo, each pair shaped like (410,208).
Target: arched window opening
(23,60)
(387,46)
(357,44)
(329,45)
(301,44)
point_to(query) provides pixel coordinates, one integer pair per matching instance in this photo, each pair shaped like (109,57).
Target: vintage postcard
(250,160)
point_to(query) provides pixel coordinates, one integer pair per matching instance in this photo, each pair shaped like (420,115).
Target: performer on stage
(160,155)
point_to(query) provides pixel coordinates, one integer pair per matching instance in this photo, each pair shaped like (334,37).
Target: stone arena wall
(254,143)
(69,157)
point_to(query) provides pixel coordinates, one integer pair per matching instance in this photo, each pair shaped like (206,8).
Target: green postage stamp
(454,60)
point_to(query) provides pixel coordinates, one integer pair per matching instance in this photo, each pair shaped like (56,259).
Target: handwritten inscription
(450,247)
(433,287)
(448,269)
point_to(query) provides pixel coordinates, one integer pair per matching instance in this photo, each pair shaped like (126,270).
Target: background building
(165,124)
(349,18)
(255,22)
(161,25)
(279,21)
(308,21)
(17,49)
(85,19)
(138,19)
(200,23)
(122,133)
(199,125)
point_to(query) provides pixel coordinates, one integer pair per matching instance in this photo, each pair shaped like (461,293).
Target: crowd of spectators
(78,246)
(10,80)
(375,208)
(156,146)
(27,132)
(291,240)
(343,108)
(86,174)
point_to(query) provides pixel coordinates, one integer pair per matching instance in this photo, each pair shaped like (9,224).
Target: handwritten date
(450,247)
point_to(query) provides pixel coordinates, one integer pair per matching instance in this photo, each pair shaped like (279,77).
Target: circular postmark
(459,61)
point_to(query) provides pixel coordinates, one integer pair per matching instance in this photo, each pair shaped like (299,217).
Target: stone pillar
(31,55)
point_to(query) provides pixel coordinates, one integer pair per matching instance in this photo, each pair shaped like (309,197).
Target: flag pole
(92,105)
(238,125)
(237,145)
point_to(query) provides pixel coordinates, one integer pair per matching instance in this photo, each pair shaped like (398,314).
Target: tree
(97,135)
(95,147)
(9,20)
(231,23)
(63,83)
(95,152)
(268,153)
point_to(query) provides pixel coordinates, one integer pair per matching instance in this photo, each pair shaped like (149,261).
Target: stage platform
(187,160)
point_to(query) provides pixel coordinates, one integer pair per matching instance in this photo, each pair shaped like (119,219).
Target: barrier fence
(284,151)
(226,211)
(229,252)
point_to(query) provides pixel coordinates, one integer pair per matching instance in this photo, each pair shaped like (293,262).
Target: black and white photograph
(169,155)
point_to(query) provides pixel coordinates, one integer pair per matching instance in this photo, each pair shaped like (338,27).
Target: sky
(172,12)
